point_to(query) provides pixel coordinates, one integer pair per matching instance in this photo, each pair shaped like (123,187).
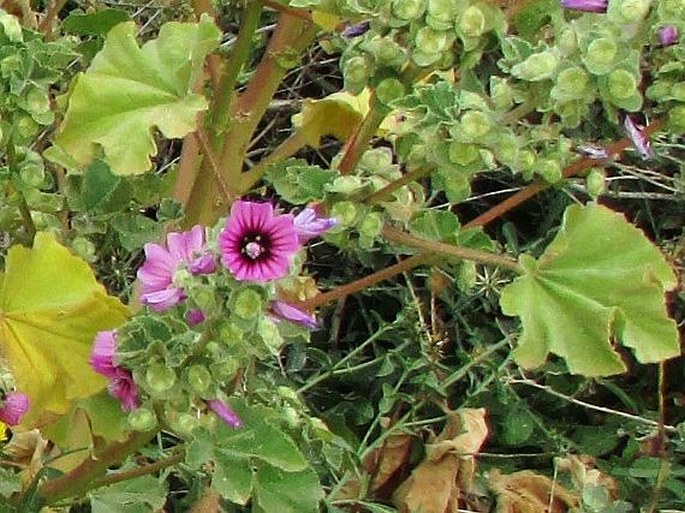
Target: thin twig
(590,406)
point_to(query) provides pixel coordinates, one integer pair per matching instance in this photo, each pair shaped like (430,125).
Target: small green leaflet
(128,90)
(599,280)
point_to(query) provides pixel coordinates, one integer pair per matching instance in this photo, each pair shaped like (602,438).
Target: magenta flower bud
(161,263)
(14,407)
(203,265)
(225,413)
(121,384)
(195,317)
(668,35)
(308,224)
(282,311)
(585,5)
(256,245)
(638,137)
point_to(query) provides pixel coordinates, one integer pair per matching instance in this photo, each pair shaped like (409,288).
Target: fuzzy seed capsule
(472,22)
(621,84)
(142,419)
(159,378)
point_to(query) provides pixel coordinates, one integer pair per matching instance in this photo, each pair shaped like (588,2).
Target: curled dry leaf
(585,473)
(26,449)
(446,474)
(528,492)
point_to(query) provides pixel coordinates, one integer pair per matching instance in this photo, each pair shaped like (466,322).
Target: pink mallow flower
(282,311)
(256,245)
(225,413)
(308,224)
(668,35)
(184,249)
(585,5)
(121,384)
(638,137)
(14,407)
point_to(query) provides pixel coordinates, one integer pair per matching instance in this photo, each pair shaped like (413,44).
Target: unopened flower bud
(159,378)
(622,84)
(538,66)
(389,90)
(142,419)
(472,22)
(248,304)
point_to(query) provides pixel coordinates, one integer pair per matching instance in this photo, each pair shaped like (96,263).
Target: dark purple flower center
(255,246)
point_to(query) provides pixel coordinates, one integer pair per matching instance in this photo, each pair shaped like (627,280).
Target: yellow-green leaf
(599,281)
(51,307)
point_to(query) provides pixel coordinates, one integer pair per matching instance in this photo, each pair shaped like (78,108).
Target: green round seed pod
(356,73)
(142,419)
(463,153)
(678,91)
(159,378)
(388,53)
(248,304)
(185,424)
(621,84)
(595,182)
(371,224)
(440,14)
(475,124)
(550,170)
(627,11)
(471,22)
(602,51)
(572,82)
(26,127)
(33,175)
(199,379)
(538,66)
(389,90)
(407,10)
(345,212)
(568,42)
(676,119)
(431,41)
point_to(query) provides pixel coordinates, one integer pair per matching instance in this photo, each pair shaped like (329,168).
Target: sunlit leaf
(144,494)
(51,307)
(599,280)
(128,90)
(316,118)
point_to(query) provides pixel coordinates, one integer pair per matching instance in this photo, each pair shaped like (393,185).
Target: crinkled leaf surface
(51,307)
(128,90)
(600,279)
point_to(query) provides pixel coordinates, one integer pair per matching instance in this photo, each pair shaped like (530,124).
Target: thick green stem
(433,247)
(80,479)
(291,36)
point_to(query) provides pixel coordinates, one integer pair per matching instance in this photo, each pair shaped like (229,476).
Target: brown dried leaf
(385,462)
(436,485)
(26,449)
(584,472)
(527,492)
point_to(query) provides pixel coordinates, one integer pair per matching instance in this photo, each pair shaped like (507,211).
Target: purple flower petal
(356,30)
(594,151)
(121,384)
(585,5)
(102,355)
(638,137)
(161,264)
(14,407)
(309,225)
(195,317)
(225,413)
(283,311)
(668,35)
(257,245)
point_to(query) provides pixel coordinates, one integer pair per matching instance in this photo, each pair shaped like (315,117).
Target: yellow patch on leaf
(51,307)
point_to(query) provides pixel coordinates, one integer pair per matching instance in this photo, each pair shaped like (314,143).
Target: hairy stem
(80,479)
(432,246)
(359,142)
(144,470)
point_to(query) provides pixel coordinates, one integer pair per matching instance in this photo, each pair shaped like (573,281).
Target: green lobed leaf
(128,90)
(141,495)
(93,24)
(287,492)
(599,280)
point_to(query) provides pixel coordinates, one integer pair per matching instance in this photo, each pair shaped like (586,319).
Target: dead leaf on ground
(584,473)
(528,492)
(386,462)
(446,474)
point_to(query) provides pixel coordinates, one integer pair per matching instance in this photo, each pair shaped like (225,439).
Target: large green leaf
(128,90)
(599,280)
(51,307)
(141,495)
(287,492)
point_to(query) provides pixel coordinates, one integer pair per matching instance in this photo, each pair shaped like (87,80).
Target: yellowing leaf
(128,90)
(337,115)
(51,307)
(599,280)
